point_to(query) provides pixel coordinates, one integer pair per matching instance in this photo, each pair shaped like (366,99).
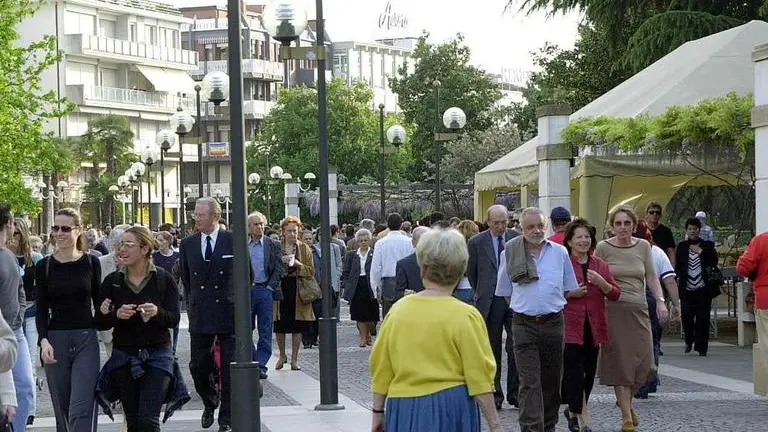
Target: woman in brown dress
(626,361)
(291,315)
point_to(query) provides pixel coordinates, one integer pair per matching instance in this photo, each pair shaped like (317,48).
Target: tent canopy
(705,68)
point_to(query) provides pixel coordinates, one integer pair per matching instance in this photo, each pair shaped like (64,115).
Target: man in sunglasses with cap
(662,235)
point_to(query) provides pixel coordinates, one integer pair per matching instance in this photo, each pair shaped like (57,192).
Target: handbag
(714,280)
(308,289)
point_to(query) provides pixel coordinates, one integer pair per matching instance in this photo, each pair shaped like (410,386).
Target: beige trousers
(761,322)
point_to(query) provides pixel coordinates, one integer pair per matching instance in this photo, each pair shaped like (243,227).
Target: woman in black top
(694,258)
(141,302)
(67,289)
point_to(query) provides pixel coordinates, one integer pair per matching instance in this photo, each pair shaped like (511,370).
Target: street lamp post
(223,199)
(164,140)
(138,172)
(131,178)
(124,183)
(396,136)
(181,125)
(244,371)
(454,120)
(215,89)
(113,192)
(51,195)
(149,156)
(254,179)
(285,20)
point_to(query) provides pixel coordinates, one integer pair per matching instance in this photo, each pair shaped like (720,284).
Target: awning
(168,80)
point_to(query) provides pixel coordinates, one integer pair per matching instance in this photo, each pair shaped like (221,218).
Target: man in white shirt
(388,251)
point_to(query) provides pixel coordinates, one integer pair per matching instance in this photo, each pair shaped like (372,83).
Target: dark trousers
(500,319)
(72,379)
(539,356)
(579,369)
(696,307)
(656,330)
(261,319)
(142,399)
(309,337)
(203,371)
(388,295)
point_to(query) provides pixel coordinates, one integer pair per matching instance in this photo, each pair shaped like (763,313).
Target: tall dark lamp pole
(138,171)
(164,140)
(181,125)
(214,89)
(454,120)
(395,136)
(285,20)
(438,148)
(149,160)
(131,179)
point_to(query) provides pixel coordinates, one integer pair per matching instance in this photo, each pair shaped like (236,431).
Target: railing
(80,42)
(161,101)
(255,67)
(257,108)
(208,189)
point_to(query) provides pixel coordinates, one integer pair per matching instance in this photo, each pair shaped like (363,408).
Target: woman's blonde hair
(468,229)
(23,247)
(442,256)
(145,238)
(166,236)
(77,221)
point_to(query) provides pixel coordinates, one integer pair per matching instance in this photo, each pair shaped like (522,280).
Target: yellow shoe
(635,419)
(628,427)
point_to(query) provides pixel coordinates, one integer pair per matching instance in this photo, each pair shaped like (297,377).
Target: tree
(659,26)
(475,150)
(108,141)
(25,147)
(290,132)
(575,77)
(461,85)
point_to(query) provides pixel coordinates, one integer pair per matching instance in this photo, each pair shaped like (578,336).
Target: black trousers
(142,399)
(539,354)
(696,307)
(309,337)
(500,319)
(579,369)
(203,371)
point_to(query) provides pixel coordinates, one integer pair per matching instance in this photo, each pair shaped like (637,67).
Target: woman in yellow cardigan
(291,315)
(432,363)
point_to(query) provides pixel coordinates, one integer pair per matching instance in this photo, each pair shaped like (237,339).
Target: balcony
(257,109)
(130,52)
(208,189)
(252,68)
(120,98)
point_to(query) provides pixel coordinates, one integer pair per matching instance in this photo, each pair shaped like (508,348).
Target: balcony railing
(257,108)
(140,52)
(268,70)
(137,99)
(208,189)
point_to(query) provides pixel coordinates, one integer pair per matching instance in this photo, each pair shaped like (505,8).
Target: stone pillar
(524,196)
(292,198)
(554,158)
(760,123)
(333,193)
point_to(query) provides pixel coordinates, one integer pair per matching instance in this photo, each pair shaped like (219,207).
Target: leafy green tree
(290,132)
(107,142)
(475,150)
(659,26)
(25,147)
(461,85)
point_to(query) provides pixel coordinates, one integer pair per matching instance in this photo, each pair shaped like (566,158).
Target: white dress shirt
(546,295)
(214,235)
(388,251)
(363,259)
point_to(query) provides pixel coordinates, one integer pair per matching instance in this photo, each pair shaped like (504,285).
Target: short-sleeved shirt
(663,238)
(661,263)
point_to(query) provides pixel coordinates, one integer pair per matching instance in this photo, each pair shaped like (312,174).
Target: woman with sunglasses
(20,245)
(140,301)
(67,290)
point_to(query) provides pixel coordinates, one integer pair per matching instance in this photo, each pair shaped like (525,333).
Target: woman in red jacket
(585,321)
(753,264)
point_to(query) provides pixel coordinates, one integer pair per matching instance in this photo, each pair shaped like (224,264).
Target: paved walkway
(705,394)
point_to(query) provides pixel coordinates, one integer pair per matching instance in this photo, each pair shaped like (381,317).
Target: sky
(497,39)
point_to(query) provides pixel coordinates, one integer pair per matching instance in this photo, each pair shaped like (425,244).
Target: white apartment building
(373,63)
(120,57)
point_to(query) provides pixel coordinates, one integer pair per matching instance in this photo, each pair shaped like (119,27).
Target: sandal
(635,419)
(573,421)
(295,366)
(281,362)
(628,427)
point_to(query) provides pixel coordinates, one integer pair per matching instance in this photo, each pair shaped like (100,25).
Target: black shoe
(573,421)
(225,428)
(513,401)
(373,330)
(262,374)
(30,420)
(207,420)
(498,404)
(688,348)
(702,353)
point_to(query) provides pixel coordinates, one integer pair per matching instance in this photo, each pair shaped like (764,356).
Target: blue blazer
(408,275)
(273,264)
(209,286)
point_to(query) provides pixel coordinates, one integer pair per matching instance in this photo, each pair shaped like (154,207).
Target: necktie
(208,248)
(500,239)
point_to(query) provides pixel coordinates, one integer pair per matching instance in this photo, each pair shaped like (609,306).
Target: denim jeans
(30,332)
(24,382)
(261,320)
(142,398)
(465,295)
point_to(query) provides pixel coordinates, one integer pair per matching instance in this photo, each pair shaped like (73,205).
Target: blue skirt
(450,410)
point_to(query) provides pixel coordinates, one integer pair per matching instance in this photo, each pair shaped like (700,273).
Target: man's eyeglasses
(654,212)
(127,245)
(62,228)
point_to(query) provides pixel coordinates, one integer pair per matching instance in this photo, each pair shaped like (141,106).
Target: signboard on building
(390,19)
(218,149)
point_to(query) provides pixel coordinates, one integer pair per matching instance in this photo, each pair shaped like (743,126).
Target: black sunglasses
(654,212)
(62,228)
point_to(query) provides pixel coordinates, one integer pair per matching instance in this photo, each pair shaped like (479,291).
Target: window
(150,35)
(163,37)
(80,73)
(107,28)
(78,23)
(108,77)
(133,33)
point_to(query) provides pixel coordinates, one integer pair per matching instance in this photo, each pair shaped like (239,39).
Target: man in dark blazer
(407,273)
(267,270)
(206,271)
(482,270)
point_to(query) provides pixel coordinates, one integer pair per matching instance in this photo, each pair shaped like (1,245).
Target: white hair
(362,232)
(115,236)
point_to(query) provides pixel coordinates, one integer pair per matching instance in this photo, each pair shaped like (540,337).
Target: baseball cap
(700,215)
(560,214)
